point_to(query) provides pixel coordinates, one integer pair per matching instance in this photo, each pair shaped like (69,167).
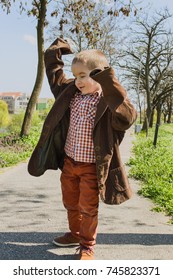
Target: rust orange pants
(81,199)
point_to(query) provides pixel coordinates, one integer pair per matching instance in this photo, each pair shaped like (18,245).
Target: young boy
(81,136)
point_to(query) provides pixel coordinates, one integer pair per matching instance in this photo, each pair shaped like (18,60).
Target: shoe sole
(84,258)
(65,245)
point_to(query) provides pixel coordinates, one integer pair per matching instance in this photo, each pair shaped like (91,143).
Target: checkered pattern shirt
(79,143)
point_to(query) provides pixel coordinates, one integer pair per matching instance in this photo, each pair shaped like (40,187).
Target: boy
(81,136)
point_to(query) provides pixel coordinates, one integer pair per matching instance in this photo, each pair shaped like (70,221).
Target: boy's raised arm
(123,112)
(54,65)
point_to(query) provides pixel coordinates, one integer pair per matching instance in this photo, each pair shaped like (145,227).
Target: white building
(17,101)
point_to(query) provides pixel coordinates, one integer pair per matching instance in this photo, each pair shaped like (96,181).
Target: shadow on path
(38,246)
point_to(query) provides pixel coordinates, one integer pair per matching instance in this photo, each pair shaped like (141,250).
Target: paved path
(32,214)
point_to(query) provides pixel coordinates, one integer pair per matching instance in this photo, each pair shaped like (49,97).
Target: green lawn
(154,167)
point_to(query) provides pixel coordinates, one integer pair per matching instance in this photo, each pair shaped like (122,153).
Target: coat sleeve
(123,112)
(54,65)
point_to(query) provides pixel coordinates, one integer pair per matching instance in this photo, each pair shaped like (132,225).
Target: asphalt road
(32,214)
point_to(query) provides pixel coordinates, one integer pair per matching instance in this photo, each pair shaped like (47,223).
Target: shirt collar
(98,93)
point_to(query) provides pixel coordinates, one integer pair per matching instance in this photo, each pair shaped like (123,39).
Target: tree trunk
(25,130)
(169,117)
(164,115)
(151,119)
(158,121)
(144,126)
(147,119)
(147,127)
(170,110)
(140,115)
(159,113)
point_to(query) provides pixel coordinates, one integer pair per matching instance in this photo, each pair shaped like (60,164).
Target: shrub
(4,115)
(17,120)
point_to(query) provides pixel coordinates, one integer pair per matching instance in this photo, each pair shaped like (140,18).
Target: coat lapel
(101,108)
(60,106)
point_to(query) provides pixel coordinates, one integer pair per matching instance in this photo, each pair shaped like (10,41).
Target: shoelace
(88,251)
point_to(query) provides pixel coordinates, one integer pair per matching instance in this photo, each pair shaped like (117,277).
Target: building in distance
(16,101)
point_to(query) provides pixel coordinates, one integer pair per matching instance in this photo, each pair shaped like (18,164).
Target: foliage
(154,167)
(6,5)
(17,120)
(4,115)
(90,24)
(85,24)
(43,114)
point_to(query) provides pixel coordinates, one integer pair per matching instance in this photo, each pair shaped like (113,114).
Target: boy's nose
(78,82)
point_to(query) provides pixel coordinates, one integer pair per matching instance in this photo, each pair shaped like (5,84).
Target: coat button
(97,148)
(98,157)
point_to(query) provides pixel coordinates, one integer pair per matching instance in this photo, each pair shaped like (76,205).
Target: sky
(18,50)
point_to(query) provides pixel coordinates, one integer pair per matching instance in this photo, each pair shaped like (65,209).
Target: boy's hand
(96,71)
(64,46)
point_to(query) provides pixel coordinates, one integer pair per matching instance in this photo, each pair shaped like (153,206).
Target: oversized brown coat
(114,115)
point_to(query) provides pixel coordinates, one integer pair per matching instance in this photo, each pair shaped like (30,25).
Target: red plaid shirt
(79,143)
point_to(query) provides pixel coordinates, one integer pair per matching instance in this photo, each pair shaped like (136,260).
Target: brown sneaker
(85,253)
(66,240)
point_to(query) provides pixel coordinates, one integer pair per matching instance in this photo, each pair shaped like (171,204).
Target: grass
(14,149)
(154,167)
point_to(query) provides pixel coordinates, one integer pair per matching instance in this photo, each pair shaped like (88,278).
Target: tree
(164,93)
(89,24)
(38,9)
(150,56)
(167,108)
(170,107)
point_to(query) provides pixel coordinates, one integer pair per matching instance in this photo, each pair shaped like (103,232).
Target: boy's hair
(92,59)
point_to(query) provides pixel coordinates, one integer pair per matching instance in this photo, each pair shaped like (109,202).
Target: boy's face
(82,79)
